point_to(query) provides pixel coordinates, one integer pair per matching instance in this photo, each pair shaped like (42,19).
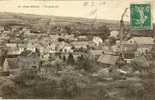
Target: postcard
(77,49)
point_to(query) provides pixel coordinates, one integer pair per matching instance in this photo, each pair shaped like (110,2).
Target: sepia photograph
(77,49)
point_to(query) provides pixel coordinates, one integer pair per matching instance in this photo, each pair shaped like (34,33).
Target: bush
(8,89)
(87,64)
(67,83)
(149,86)
(69,87)
(45,89)
(135,91)
(25,77)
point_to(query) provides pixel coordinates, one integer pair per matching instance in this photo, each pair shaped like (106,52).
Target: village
(45,47)
(50,55)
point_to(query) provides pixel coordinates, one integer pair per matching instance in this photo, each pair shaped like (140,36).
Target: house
(1,28)
(95,53)
(65,47)
(51,47)
(80,44)
(143,44)
(10,60)
(13,49)
(5,65)
(28,60)
(10,64)
(82,38)
(115,48)
(11,45)
(97,40)
(31,46)
(54,37)
(141,40)
(114,33)
(109,50)
(108,59)
(68,37)
(7,54)
(76,55)
(27,32)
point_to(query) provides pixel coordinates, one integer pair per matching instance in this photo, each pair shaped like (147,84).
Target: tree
(21,37)
(37,51)
(103,31)
(68,29)
(70,59)
(85,63)
(3,54)
(112,40)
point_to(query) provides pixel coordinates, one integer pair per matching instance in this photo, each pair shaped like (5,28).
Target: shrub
(87,64)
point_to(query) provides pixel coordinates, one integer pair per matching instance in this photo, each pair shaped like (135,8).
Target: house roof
(26,53)
(96,52)
(12,62)
(108,50)
(13,52)
(108,59)
(11,45)
(12,49)
(97,39)
(27,61)
(140,40)
(80,44)
(22,45)
(29,53)
(82,37)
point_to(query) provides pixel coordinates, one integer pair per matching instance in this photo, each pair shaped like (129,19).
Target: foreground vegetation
(68,80)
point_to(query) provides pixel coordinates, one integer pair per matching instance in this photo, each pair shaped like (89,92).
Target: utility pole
(122,32)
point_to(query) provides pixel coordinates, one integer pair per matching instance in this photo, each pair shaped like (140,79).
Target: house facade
(28,61)
(141,44)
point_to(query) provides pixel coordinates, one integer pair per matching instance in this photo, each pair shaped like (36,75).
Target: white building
(114,34)
(97,40)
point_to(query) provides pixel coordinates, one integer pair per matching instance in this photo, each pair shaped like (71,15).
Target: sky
(99,9)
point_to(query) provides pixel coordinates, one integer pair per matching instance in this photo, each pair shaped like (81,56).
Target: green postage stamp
(140,16)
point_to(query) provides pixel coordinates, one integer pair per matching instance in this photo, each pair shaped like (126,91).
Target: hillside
(42,22)
(20,16)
